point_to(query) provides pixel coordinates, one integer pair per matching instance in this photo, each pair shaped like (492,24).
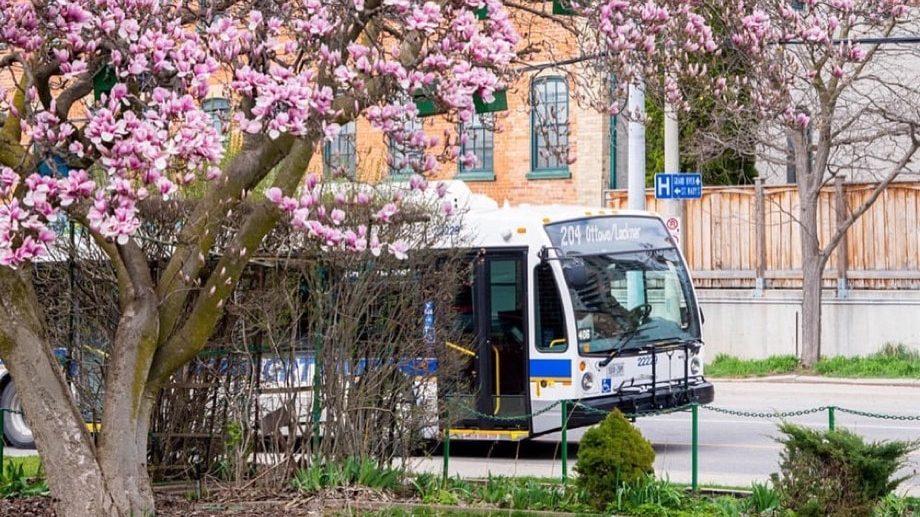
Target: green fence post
(695,444)
(831,417)
(446,450)
(565,442)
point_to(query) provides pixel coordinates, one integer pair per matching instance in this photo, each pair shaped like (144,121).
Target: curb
(814,379)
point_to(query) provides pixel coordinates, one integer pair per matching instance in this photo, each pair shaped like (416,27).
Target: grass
(22,477)
(31,465)
(891,362)
(728,366)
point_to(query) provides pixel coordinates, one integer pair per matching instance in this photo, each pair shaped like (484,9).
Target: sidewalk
(816,379)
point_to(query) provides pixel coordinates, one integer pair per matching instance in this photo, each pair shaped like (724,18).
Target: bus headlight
(587,381)
(695,365)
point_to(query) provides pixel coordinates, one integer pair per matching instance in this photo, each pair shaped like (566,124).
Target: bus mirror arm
(544,253)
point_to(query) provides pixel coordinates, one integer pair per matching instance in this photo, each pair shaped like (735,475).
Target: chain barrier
(656,412)
(774,414)
(569,407)
(509,418)
(903,418)
(677,409)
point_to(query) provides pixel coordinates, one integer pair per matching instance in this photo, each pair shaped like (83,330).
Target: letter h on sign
(662,186)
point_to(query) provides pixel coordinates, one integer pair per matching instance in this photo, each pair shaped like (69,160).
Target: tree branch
(81,88)
(208,309)
(248,167)
(876,192)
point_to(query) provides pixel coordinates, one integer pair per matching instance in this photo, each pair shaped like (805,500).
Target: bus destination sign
(616,234)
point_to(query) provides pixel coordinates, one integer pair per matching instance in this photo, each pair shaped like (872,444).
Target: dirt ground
(225,503)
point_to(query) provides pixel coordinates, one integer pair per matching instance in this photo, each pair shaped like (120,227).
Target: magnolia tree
(828,78)
(293,71)
(105,122)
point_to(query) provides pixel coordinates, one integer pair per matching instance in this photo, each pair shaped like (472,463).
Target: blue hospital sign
(688,185)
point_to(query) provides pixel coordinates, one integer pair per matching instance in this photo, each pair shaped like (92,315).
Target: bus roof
(485,223)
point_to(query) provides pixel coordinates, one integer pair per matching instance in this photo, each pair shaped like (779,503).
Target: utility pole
(636,156)
(673,207)
(635,290)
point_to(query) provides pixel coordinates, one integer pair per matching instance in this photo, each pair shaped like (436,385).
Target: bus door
(497,374)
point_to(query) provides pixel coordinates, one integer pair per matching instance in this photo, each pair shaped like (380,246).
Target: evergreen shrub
(610,455)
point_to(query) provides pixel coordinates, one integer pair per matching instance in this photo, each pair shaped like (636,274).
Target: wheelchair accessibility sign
(606,385)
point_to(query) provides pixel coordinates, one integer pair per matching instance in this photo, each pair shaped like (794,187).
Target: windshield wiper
(665,341)
(628,335)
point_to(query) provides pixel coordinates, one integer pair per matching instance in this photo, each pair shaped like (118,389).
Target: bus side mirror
(575,273)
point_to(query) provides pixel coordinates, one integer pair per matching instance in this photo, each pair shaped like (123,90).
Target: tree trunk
(813,262)
(73,472)
(811,311)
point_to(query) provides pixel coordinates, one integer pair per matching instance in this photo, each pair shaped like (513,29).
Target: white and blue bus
(572,303)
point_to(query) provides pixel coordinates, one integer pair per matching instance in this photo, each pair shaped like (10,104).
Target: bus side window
(550,317)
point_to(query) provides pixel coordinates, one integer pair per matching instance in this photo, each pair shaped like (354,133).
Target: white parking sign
(673,224)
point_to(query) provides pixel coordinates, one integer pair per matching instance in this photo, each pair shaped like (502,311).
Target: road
(734,451)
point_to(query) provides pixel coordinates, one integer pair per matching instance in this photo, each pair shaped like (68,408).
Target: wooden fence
(739,237)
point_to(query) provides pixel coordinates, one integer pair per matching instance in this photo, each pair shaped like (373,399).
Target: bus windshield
(631,299)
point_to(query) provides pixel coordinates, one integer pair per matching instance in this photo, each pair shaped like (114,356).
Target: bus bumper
(593,410)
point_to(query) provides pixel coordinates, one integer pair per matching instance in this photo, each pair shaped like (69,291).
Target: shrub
(610,455)
(836,473)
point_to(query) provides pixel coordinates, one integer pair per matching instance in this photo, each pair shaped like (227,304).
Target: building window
(550,128)
(402,155)
(340,155)
(479,142)
(219,110)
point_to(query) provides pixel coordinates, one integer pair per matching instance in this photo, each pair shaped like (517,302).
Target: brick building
(524,156)
(521,151)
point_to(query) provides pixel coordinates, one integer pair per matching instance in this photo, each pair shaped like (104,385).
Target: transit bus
(565,303)
(571,303)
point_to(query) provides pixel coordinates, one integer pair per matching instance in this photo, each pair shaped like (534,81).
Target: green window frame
(549,128)
(480,140)
(401,155)
(341,152)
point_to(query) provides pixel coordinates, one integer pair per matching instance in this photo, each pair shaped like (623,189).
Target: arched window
(480,142)
(549,140)
(339,154)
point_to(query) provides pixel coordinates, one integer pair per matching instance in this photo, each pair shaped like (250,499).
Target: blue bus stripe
(551,368)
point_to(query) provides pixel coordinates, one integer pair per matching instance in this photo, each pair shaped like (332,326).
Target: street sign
(687,185)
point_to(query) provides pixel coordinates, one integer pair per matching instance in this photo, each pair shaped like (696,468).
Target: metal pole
(674,207)
(2,424)
(636,156)
(565,442)
(831,418)
(446,452)
(695,445)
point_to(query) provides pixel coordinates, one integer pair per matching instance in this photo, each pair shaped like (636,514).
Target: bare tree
(823,87)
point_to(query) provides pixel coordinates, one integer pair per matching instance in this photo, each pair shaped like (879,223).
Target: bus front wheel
(15,428)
